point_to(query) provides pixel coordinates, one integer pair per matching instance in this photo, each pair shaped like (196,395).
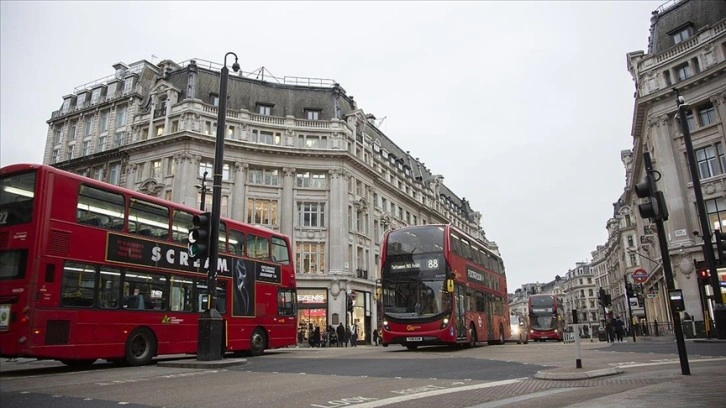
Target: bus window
(202,299)
(180,226)
(222,237)
(285,302)
(109,288)
(79,283)
(100,208)
(181,294)
(16,199)
(14,263)
(258,247)
(148,291)
(148,219)
(279,251)
(236,242)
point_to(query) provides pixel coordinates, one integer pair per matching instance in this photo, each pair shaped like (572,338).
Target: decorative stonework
(288,171)
(151,187)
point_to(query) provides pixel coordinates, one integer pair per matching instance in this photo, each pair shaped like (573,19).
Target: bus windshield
(416,241)
(415,299)
(16,199)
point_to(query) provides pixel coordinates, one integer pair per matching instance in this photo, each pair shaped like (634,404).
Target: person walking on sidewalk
(340,333)
(619,329)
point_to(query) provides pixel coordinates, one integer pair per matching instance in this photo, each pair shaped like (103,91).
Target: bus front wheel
(140,347)
(258,342)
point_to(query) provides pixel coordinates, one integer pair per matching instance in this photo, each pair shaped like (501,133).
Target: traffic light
(601,297)
(655,208)
(629,289)
(703,276)
(608,300)
(199,236)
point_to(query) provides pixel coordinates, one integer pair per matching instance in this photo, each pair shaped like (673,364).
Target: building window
(268,177)
(102,143)
(309,179)
(128,85)
(214,99)
(57,135)
(114,173)
(633,260)
(683,72)
(310,257)
(312,114)
(716,210)
(207,167)
(225,172)
(95,95)
(71,148)
(681,35)
(707,114)
(262,212)
(265,110)
(266,138)
(310,214)
(88,126)
(121,116)
(690,120)
(103,122)
(156,169)
(98,173)
(312,142)
(708,165)
(631,241)
(86,148)
(72,132)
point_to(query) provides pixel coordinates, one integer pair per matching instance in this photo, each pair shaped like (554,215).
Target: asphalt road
(361,376)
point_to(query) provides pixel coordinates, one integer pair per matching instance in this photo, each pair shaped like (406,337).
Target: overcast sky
(523,107)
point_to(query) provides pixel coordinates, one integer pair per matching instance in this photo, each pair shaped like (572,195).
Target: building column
(238,201)
(287,201)
(337,225)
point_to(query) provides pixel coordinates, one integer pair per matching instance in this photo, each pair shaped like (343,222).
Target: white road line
(674,361)
(403,398)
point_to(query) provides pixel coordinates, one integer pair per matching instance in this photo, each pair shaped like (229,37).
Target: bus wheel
(472,337)
(79,363)
(411,347)
(140,347)
(257,342)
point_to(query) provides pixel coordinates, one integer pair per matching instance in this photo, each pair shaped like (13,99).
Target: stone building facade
(300,158)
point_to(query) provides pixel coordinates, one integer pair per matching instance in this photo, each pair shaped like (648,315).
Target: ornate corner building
(300,158)
(687,52)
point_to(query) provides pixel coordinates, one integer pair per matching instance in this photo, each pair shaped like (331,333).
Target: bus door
(460,312)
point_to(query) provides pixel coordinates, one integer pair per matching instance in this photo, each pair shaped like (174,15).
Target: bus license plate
(414,338)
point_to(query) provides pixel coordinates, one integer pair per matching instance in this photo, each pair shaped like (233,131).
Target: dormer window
(214,99)
(681,33)
(128,85)
(263,109)
(312,114)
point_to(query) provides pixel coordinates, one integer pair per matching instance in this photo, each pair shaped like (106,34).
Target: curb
(555,376)
(192,363)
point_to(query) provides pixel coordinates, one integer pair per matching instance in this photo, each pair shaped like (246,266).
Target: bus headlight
(445,323)
(385,325)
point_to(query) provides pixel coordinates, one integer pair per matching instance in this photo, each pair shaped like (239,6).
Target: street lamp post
(211,324)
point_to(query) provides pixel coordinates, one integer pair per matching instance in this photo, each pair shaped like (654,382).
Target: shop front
(312,312)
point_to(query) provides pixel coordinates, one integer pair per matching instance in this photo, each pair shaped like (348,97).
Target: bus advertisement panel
(91,270)
(440,286)
(546,321)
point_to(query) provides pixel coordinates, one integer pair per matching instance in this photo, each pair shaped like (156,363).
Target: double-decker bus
(440,286)
(546,320)
(90,270)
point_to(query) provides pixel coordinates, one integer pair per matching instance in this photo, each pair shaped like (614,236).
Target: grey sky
(524,107)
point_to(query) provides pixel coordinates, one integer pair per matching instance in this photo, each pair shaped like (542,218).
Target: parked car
(519,330)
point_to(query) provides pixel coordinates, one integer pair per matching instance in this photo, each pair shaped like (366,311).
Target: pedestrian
(375,337)
(354,335)
(610,329)
(340,333)
(619,329)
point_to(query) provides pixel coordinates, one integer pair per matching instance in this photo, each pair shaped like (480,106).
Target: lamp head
(235,66)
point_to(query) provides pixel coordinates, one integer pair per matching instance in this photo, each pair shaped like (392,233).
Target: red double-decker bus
(440,286)
(90,270)
(546,320)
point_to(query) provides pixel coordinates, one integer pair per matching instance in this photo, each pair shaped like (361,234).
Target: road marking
(674,361)
(403,398)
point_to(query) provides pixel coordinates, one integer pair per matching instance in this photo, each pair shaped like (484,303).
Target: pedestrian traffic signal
(629,289)
(655,208)
(703,276)
(601,297)
(199,236)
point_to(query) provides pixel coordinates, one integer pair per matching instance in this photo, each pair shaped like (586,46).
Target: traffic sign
(640,276)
